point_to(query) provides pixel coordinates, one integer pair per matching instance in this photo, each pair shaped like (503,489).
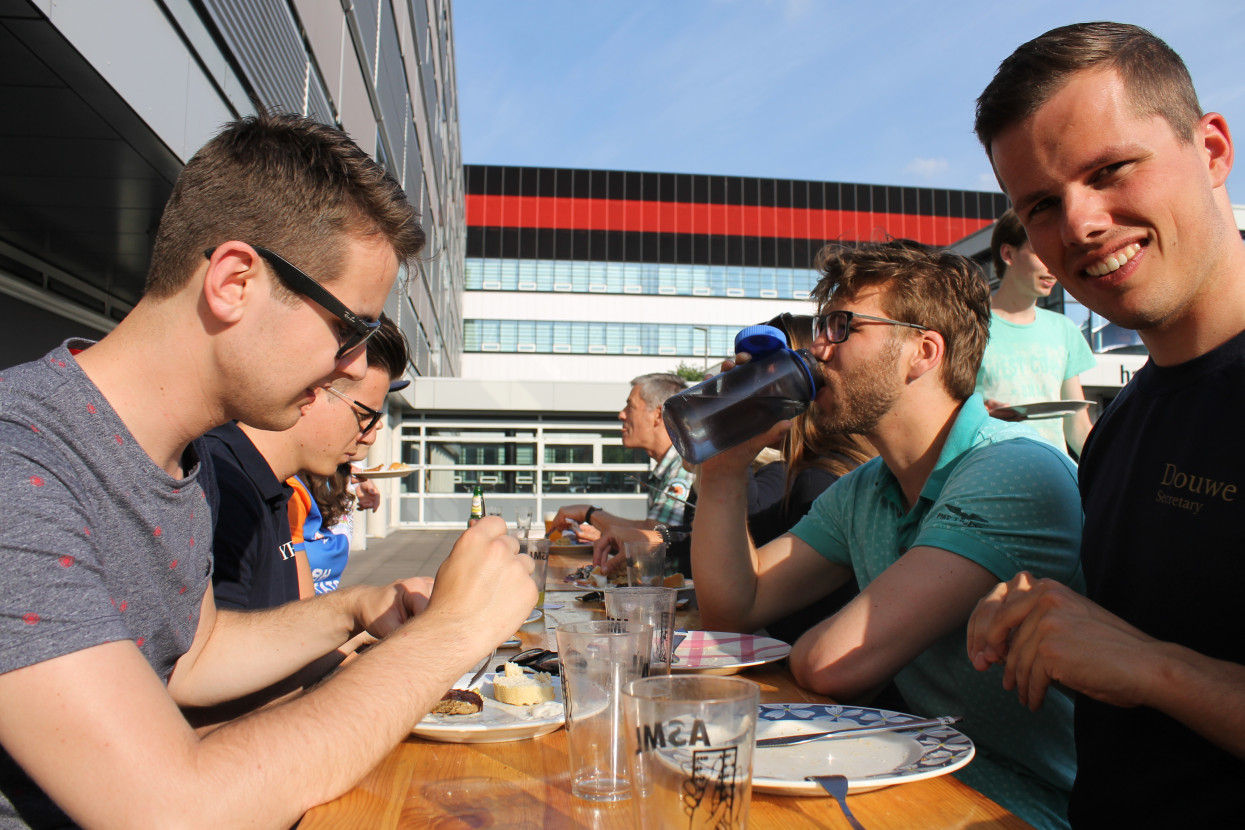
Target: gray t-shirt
(98,543)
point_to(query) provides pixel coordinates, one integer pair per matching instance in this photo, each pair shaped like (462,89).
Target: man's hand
(604,548)
(587,533)
(484,585)
(367,494)
(570,513)
(607,551)
(1005,415)
(380,610)
(1043,632)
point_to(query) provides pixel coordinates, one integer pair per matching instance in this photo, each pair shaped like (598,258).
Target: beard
(861,396)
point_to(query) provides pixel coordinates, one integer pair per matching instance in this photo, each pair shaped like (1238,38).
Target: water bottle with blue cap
(730,408)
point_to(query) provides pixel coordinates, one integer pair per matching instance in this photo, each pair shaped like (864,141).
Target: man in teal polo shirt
(956,501)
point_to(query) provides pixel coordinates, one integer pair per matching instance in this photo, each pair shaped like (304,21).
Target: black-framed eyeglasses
(360,329)
(373,417)
(837,325)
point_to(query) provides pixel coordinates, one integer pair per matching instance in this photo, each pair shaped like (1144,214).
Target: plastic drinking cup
(646,562)
(652,606)
(690,740)
(599,659)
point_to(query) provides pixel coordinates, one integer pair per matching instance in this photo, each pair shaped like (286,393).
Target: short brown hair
(1008,231)
(286,183)
(936,289)
(1157,80)
(387,349)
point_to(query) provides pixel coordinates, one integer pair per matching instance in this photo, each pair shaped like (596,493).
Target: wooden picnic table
(526,784)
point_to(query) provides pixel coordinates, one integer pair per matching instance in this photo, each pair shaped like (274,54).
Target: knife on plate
(858,731)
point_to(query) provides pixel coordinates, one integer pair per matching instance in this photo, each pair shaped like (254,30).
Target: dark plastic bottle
(732,407)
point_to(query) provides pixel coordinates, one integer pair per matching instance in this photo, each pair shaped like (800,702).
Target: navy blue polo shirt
(254,559)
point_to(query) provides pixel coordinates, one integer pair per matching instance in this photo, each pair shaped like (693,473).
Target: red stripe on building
(721,220)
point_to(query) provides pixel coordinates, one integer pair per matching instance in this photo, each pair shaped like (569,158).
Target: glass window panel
(568,454)
(580,481)
(618,454)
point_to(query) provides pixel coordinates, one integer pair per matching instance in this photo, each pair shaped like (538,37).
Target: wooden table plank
(526,784)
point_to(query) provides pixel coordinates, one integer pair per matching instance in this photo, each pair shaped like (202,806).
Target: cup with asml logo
(690,740)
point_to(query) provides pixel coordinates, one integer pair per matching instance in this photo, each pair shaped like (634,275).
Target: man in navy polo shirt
(256,564)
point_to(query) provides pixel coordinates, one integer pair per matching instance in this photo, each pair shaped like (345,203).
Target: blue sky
(801,89)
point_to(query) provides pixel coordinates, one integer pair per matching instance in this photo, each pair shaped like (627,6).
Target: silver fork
(836,785)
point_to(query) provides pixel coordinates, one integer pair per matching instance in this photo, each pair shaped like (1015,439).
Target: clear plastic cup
(690,740)
(652,606)
(599,659)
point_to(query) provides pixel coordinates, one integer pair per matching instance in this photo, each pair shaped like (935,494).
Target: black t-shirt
(1163,485)
(772,515)
(254,559)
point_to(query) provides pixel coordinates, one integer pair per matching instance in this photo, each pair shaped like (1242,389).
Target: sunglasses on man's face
(368,417)
(357,329)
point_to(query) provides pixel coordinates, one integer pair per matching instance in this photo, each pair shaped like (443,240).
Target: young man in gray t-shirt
(107,619)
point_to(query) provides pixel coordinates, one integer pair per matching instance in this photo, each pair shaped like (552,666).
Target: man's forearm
(1076,430)
(318,745)
(251,650)
(604,521)
(724,559)
(1205,694)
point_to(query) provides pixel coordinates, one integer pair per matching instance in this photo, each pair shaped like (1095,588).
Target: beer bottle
(477,505)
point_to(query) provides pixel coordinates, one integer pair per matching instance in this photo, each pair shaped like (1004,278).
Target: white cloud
(987,181)
(927,168)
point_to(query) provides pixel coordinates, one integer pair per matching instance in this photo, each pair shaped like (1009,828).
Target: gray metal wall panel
(391,81)
(268,45)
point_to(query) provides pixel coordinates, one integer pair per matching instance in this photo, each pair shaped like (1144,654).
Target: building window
(590,277)
(541,464)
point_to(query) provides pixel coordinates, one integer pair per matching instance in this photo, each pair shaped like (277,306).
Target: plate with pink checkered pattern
(722,652)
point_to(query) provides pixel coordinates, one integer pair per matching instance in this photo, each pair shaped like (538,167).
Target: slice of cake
(522,689)
(459,702)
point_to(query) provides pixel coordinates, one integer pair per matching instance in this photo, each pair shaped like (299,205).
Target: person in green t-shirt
(1033,354)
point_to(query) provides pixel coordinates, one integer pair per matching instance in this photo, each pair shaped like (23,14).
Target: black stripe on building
(493,180)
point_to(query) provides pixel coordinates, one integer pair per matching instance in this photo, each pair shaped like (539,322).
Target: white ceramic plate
(721,652)
(497,722)
(869,763)
(404,470)
(534,616)
(1043,409)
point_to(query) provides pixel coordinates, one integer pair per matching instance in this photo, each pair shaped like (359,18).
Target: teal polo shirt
(1007,500)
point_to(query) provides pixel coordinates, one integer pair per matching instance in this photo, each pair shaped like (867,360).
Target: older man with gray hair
(669,484)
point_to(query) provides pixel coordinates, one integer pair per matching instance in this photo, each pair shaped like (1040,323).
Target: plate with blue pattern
(869,763)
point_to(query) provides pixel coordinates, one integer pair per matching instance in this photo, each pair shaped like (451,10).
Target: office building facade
(105,102)
(589,274)
(577,281)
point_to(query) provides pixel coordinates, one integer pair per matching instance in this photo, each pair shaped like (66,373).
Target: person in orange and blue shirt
(319,509)
(253,505)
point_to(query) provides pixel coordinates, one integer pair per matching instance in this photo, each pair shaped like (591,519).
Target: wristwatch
(592,508)
(670,535)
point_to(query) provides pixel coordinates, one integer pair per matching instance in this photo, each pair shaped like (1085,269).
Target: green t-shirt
(1029,363)
(1008,502)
